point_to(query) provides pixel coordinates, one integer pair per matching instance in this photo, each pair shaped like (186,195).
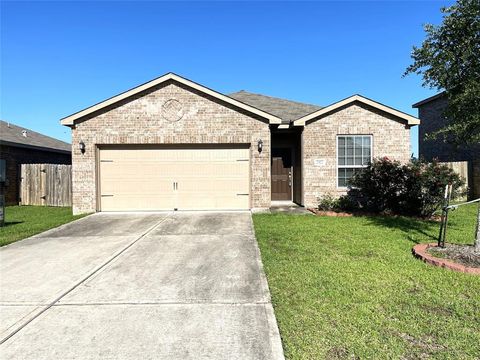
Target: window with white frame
(354,152)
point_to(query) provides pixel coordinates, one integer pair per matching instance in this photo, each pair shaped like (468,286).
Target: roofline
(70,120)
(34,147)
(276,98)
(427,100)
(411,120)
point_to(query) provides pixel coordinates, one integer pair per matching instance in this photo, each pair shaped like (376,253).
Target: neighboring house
(431,114)
(23,146)
(175,144)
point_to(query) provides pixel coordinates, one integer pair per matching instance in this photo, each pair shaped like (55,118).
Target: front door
(281,174)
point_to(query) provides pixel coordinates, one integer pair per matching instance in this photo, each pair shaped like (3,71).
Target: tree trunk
(477,233)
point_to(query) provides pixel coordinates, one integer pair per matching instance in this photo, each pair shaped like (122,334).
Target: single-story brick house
(18,146)
(175,144)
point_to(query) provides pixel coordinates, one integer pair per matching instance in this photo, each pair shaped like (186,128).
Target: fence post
(444,221)
(43,184)
(477,232)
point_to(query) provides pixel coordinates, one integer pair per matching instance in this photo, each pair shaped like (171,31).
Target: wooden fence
(470,172)
(46,184)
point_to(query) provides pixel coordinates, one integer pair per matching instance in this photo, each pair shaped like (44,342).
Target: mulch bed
(462,254)
(463,258)
(330,213)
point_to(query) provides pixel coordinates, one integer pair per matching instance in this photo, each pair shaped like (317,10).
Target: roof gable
(409,119)
(70,120)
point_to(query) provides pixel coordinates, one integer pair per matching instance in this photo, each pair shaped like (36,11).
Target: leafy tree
(449,60)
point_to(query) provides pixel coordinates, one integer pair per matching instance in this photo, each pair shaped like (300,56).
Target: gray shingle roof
(287,110)
(13,135)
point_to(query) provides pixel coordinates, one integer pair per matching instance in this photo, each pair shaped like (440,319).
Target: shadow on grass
(9,223)
(416,230)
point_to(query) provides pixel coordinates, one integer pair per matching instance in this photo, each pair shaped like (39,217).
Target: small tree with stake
(449,60)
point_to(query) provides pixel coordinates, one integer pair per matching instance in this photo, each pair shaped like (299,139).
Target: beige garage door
(138,178)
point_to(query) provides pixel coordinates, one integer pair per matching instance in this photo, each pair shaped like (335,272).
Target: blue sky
(60,57)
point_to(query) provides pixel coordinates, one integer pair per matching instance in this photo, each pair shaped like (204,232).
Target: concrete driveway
(138,286)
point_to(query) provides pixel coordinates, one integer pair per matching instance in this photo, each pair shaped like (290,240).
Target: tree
(449,60)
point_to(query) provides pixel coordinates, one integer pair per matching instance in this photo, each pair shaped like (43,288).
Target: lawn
(25,221)
(348,288)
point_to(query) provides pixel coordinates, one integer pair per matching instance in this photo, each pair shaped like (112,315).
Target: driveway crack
(85,278)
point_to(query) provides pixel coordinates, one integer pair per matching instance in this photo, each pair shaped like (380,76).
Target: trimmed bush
(379,187)
(390,187)
(328,202)
(413,189)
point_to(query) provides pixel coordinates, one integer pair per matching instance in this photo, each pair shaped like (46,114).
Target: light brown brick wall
(391,138)
(139,120)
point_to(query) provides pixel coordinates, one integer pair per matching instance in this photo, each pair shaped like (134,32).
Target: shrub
(426,187)
(328,202)
(414,189)
(347,203)
(379,187)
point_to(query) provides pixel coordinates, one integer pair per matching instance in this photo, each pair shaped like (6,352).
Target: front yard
(348,288)
(25,221)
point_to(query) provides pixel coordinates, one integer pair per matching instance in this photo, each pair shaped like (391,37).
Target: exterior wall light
(81,146)
(260,145)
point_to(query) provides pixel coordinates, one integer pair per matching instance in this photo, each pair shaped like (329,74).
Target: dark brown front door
(282,174)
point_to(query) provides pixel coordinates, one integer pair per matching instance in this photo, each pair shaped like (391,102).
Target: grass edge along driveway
(345,288)
(25,221)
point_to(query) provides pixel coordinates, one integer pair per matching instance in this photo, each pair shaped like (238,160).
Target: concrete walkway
(138,286)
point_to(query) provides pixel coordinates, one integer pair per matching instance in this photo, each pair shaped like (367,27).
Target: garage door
(174,178)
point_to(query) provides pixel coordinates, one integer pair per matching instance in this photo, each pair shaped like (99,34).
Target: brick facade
(391,138)
(431,115)
(139,120)
(15,156)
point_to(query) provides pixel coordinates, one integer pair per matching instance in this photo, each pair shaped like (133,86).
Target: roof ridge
(274,97)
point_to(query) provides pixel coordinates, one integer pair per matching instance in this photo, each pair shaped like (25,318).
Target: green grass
(346,288)
(25,221)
